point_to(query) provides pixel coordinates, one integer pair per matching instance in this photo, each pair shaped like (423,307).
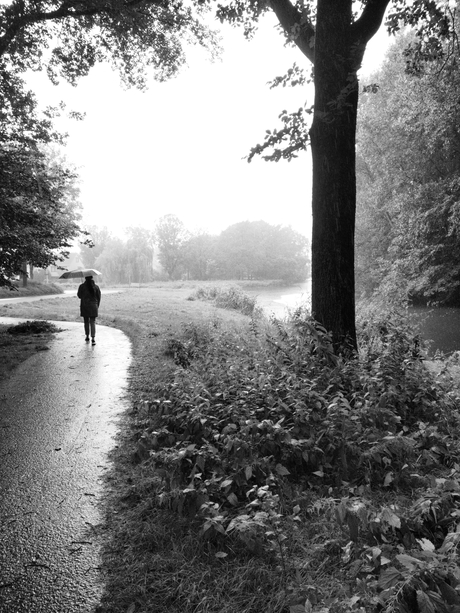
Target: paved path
(58,418)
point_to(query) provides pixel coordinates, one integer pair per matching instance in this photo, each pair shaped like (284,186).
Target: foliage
(408,181)
(99,238)
(198,252)
(258,250)
(228,298)
(257,435)
(33,327)
(134,36)
(170,236)
(39,210)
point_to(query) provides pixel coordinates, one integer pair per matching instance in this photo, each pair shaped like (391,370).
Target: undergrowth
(340,476)
(228,298)
(34,326)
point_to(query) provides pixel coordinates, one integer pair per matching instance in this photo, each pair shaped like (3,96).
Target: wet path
(58,416)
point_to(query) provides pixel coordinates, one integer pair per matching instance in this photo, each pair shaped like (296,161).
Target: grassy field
(257,472)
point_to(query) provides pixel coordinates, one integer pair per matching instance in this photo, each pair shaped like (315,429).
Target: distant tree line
(246,250)
(408,223)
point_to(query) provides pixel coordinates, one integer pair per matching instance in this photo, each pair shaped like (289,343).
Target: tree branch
(67,9)
(300,31)
(370,21)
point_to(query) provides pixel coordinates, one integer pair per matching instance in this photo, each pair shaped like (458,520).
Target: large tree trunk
(334,183)
(24,274)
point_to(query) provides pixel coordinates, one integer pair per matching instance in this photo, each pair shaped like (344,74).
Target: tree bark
(24,274)
(336,47)
(334,174)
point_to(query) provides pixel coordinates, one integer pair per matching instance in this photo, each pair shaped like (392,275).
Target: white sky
(178,148)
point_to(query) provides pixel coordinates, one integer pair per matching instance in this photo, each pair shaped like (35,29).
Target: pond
(439,327)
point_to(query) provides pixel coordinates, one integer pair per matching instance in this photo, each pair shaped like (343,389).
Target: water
(277,301)
(440,327)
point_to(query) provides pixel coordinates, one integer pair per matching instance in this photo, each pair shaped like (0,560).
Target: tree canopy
(408,187)
(39,210)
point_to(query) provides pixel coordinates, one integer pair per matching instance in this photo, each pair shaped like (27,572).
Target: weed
(228,298)
(33,327)
(254,423)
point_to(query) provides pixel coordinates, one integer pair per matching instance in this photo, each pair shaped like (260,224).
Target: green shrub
(254,423)
(33,327)
(228,298)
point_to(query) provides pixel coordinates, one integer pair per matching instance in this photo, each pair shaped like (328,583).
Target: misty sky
(179,148)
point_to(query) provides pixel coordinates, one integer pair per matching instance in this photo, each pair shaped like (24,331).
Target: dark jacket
(89,302)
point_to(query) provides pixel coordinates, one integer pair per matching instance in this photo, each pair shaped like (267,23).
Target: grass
(18,343)
(32,289)
(257,472)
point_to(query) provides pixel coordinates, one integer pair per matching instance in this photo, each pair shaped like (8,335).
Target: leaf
(388,479)
(297,608)
(232,498)
(450,595)
(226,483)
(389,578)
(282,470)
(319,473)
(424,603)
(221,554)
(131,608)
(248,472)
(425,544)
(408,561)
(388,517)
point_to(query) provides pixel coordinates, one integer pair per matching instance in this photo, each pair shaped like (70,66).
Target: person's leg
(86,324)
(92,321)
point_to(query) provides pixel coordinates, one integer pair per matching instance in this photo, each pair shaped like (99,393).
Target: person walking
(90,299)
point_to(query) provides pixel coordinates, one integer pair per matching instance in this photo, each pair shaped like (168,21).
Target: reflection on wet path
(57,424)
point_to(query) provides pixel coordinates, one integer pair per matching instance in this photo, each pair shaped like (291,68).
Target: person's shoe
(93,341)
(87,339)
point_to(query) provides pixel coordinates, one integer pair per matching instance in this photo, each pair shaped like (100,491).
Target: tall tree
(140,254)
(170,236)
(39,212)
(113,261)
(198,255)
(99,238)
(333,36)
(258,250)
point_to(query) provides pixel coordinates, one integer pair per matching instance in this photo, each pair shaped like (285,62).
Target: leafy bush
(33,327)
(228,298)
(252,422)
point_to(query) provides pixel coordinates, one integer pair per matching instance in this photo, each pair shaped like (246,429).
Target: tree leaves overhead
(68,37)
